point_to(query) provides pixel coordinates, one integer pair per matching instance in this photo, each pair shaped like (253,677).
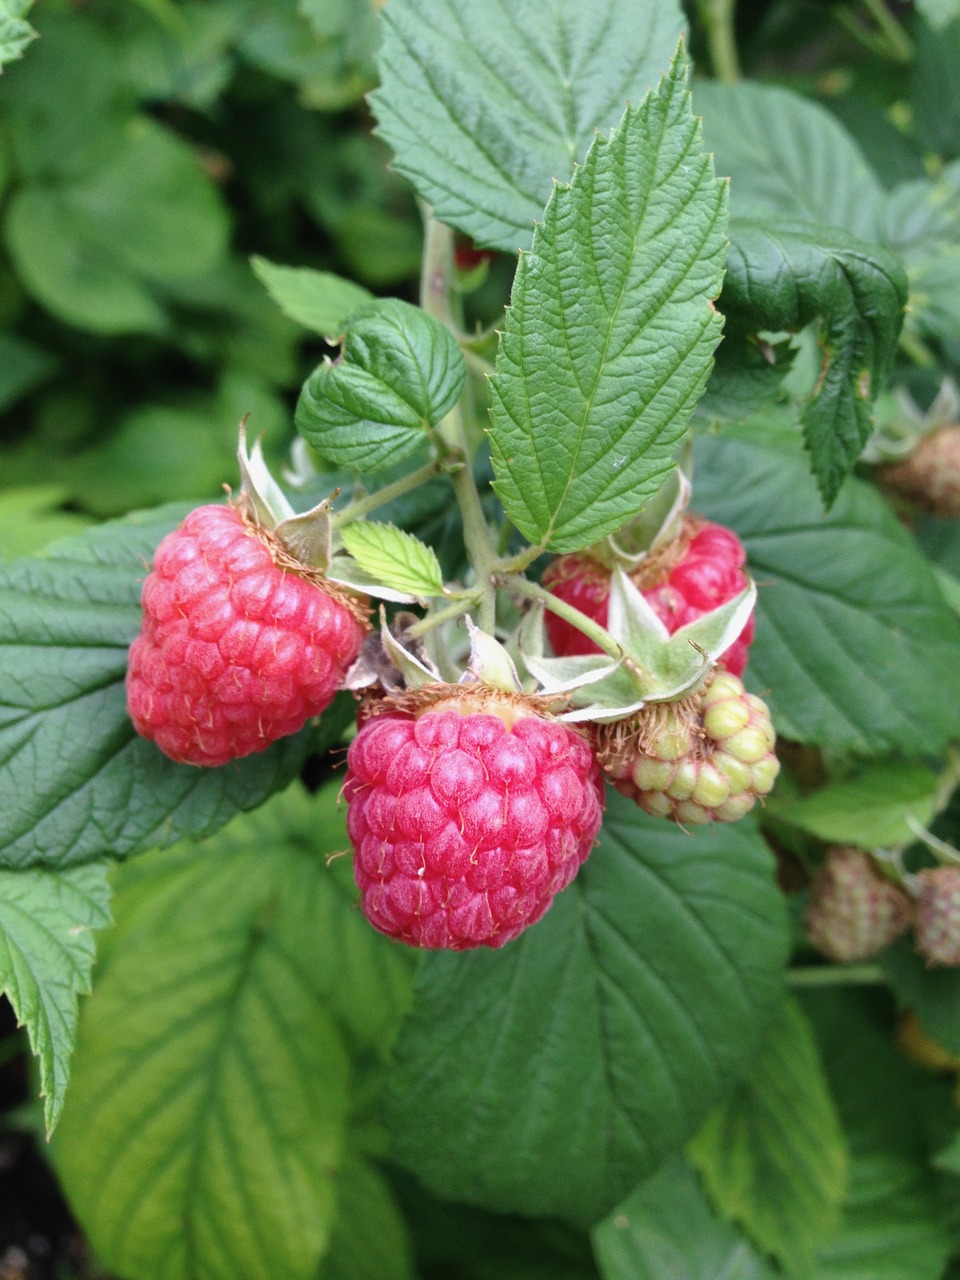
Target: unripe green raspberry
(728,761)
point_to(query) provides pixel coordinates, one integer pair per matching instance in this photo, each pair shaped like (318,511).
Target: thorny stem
(592,630)
(717,18)
(361,507)
(834,975)
(435,293)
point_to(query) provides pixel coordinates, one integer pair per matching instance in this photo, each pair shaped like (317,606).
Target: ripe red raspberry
(468,812)
(854,912)
(930,476)
(937,926)
(237,648)
(705,759)
(702,569)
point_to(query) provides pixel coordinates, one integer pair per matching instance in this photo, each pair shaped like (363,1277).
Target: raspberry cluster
(468,816)
(702,570)
(236,649)
(854,912)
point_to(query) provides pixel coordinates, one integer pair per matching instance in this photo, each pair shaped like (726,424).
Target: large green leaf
(208,1114)
(772,1155)
(486,102)
(892,1225)
(666,1229)
(76,781)
(548,1077)
(785,275)
(611,329)
(922,223)
(788,156)
(47,920)
(369,1240)
(401,372)
(855,647)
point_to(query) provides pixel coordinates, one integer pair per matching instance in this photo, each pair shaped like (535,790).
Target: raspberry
(930,476)
(237,648)
(468,813)
(705,759)
(937,926)
(692,576)
(854,911)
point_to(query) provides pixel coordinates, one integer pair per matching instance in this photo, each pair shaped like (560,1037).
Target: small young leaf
(662,964)
(15,32)
(208,1113)
(666,1228)
(401,372)
(611,328)
(76,782)
(396,558)
(782,276)
(47,920)
(319,300)
(856,647)
(773,1156)
(869,810)
(486,102)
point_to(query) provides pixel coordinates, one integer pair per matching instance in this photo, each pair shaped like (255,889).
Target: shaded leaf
(319,300)
(458,78)
(548,1077)
(869,809)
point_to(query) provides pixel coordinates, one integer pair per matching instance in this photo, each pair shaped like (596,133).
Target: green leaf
(402,371)
(892,1226)
(548,1077)
(870,809)
(782,276)
(932,994)
(207,1119)
(922,223)
(666,1228)
(370,1239)
(395,558)
(23,366)
(486,104)
(47,920)
(15,33)
(611,328)
(319,300)
(76,782)
(856,647)
(31,517)
(772,1156)
(788,156)
(88,249)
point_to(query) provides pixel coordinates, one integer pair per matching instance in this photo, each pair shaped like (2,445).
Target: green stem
(439,616)
(833,975)
(476,362)
(917,350)
(435,297)
(592,630)
(898,42)
(717,17)
(361,507)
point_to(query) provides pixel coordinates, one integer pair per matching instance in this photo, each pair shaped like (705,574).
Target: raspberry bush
(513,831)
